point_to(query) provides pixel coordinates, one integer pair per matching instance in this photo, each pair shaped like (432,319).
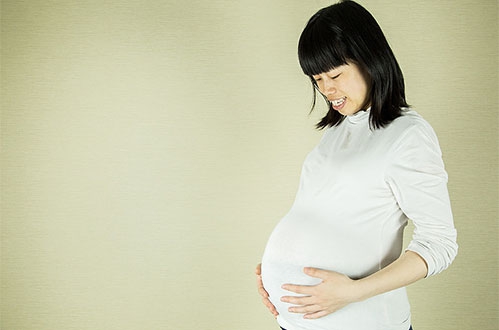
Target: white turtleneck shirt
(358,188)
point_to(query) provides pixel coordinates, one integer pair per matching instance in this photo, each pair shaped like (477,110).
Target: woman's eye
(334,77)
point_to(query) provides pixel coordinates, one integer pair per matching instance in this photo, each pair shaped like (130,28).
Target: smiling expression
(346,87)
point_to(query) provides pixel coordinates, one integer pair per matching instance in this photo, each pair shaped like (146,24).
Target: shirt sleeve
(418,180)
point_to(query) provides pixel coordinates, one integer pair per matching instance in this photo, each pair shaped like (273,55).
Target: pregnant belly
(296,243)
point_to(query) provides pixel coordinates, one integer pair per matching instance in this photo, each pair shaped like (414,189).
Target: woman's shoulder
(409,122)
(411,130)
(410,117)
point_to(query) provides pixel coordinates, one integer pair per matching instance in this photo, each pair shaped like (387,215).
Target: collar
(359,116)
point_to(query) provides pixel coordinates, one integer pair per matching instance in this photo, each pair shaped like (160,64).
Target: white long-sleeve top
(358,188)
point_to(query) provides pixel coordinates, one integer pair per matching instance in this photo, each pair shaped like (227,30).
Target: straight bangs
(320,49)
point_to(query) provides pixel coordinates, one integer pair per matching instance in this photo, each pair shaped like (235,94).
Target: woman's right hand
(263,292)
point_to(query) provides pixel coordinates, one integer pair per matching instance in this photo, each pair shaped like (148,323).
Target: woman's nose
(329,86)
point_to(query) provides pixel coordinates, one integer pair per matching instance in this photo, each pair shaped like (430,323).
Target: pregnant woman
(335,261)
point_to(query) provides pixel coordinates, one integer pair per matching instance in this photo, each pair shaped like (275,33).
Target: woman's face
(346,87)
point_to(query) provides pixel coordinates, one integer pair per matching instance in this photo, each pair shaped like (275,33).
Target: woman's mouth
(338,103)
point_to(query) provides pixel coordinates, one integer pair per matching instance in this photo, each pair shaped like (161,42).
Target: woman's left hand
(333,293)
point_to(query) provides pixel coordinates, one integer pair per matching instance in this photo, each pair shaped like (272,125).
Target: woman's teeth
(338,102)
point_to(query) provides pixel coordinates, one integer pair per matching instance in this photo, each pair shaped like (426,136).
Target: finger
(311,316)
(299,301)
(270,306)
(273,310)
(301,289)
(268,303)
(259,282)
(309,309)
(263,293)
(317,272)
(258,270)
(261,289)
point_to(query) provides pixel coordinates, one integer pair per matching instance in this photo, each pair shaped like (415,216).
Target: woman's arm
(337,290)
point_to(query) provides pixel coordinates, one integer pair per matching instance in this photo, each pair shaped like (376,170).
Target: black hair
(347,33)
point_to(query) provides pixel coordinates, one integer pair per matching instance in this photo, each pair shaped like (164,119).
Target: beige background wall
(149,147)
